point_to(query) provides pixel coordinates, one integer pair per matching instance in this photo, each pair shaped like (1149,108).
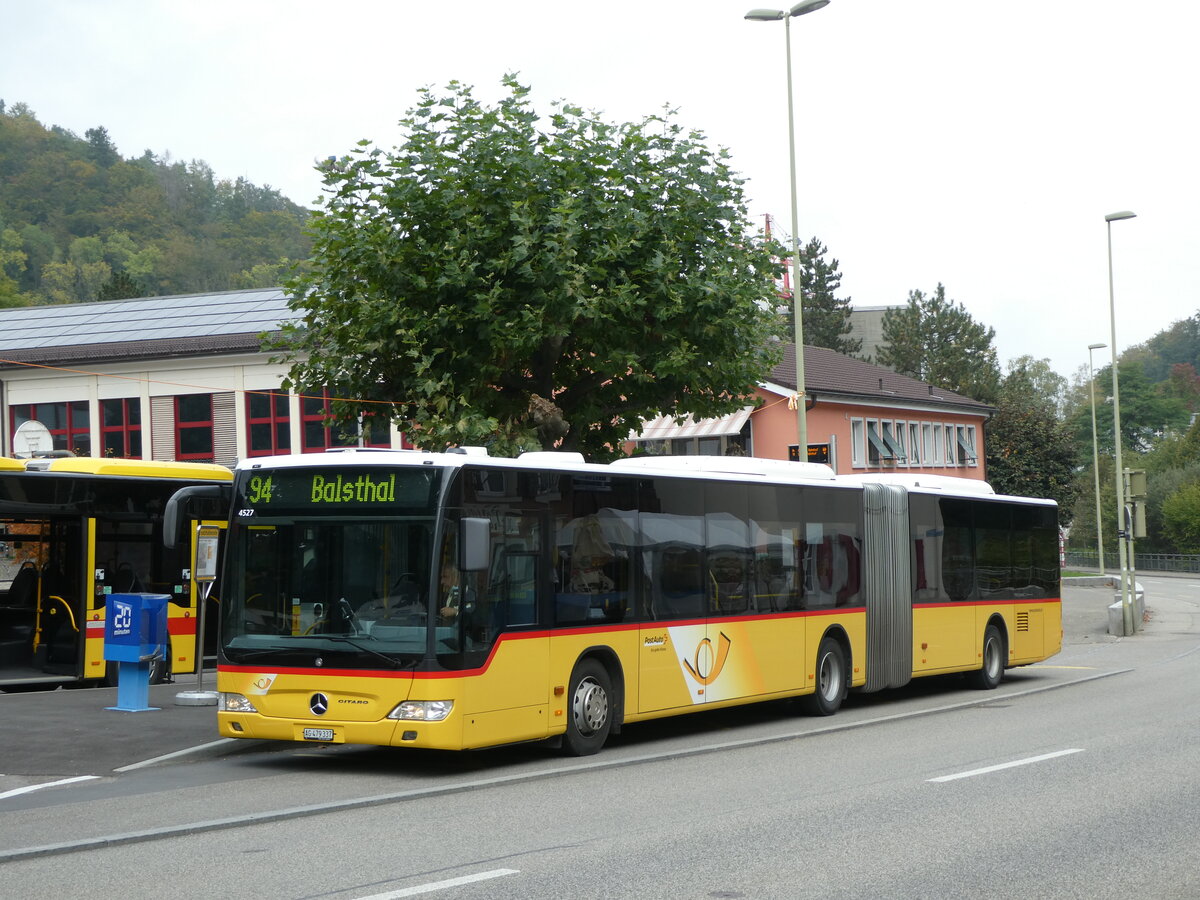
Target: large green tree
(1029,451)
(492,280)
(1148,412)
(936,340)
(826,316)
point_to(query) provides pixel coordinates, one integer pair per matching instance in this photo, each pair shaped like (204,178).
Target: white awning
(664,428)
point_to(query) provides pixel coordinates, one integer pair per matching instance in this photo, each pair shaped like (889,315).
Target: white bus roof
(731,468)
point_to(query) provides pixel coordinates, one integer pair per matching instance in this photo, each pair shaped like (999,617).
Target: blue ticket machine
(135,634)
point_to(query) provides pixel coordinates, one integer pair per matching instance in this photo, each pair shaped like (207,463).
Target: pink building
(861,418)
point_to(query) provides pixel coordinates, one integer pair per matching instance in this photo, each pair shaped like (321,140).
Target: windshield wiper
(245,653)
(358,645)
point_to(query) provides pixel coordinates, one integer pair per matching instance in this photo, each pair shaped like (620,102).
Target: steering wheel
(402,579)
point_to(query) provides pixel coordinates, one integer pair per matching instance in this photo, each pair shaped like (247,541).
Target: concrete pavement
(70,732)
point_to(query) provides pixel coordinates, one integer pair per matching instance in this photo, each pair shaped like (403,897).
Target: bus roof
(130,468)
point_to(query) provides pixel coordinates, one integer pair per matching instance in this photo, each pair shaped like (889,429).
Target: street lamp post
(1096,458)
(774,15)
(1123,527)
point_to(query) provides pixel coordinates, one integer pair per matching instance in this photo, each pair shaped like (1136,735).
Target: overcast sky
(975,144)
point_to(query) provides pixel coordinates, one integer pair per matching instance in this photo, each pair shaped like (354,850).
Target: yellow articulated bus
(459,601)
(72,531)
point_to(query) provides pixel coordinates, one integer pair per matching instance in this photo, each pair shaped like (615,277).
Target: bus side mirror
(176,512)
(475,544)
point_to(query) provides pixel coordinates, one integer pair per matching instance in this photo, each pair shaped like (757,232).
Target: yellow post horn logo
(705,647)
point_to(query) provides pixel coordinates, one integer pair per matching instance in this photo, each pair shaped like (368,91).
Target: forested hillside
(80,223)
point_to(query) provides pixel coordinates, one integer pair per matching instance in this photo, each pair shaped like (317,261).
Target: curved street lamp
(1123,527)
(774,15)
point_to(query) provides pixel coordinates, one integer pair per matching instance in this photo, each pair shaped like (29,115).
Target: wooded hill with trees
(78,222)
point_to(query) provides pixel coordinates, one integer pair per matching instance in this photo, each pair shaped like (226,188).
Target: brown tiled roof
(833,374)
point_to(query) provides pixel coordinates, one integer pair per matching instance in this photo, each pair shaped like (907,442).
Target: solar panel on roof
(146,318)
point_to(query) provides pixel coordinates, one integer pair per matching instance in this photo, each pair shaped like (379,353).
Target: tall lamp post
(774,15)
(1096,457)
(1123,527)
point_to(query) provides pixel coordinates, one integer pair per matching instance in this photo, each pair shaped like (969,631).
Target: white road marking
(158,759)
(1008,765)
(442,885)
(37,787)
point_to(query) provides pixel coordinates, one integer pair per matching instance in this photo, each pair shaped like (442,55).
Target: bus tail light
(423,710)
(230,702)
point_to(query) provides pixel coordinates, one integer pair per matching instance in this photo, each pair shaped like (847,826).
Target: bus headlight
(235,703)
(422,710)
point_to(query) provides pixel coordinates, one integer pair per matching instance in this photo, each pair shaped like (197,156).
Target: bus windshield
(338,571)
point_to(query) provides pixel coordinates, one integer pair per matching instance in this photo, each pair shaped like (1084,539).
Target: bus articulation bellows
(458,601)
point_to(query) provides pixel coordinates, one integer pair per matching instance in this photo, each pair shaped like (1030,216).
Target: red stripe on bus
(181,625)
(959,604)
(601,629)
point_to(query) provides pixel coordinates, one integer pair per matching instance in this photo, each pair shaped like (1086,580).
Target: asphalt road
(1073,779)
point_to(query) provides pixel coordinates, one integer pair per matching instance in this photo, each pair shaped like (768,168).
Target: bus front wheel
(831,679)
(988,675)
(590,719)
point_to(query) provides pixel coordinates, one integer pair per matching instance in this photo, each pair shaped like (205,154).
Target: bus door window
(993,551)
(595,546)
(958,550)
(125,561)
(928,535)
(672,531)
(511,594)
(60,612)
(833,548)
(778,564)
(727,548)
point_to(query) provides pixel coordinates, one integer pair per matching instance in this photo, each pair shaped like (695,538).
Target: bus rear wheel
(988,675)
(831,680)
(590,719)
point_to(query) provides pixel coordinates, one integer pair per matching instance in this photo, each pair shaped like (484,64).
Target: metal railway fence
(1184,563)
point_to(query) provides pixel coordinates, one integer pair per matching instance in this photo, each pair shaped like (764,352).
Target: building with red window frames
(168,378)
(185,378)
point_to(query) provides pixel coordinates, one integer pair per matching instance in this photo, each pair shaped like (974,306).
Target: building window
(269,431)
(927,455)
(194,427)
(914,443)
(316,436)
(881,448)
(951,455)
(121,428)
(902,442)
(895,450)
(858,442)
(68,423)
(966,445)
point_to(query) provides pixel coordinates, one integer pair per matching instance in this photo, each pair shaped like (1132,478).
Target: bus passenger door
(509,698)
(676,635)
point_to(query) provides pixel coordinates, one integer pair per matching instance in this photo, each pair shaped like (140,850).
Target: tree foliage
(937,341)
(1181,518)
(826,316)
(80,223)
(1148,412)
(1029,451)
(496,283)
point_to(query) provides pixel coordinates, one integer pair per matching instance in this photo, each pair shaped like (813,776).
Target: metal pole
(1096,460)
(1122,549)
(797,297)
